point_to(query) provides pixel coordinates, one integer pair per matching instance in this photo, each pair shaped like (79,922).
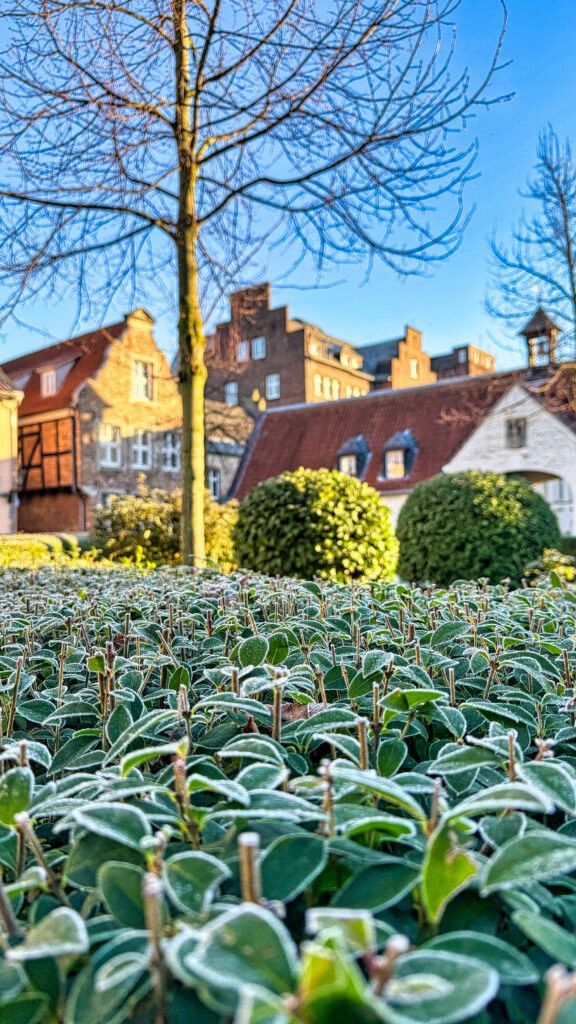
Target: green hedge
(471,525)
(144,529)
(568,546)
(316,523)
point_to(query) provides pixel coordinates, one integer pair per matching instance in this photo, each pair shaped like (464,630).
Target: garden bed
(230,797)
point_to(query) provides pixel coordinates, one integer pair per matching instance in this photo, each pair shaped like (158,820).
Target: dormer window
(399,455)
(394,464)
(48,383)
(352,458)
(348,464)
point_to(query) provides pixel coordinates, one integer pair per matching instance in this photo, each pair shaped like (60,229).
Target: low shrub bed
(27,550)
(230,798)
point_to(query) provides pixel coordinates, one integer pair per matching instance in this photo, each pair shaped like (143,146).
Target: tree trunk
(192,380)
(191,342)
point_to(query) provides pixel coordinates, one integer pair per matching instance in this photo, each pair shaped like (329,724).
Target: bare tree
(539,263)
(142,137)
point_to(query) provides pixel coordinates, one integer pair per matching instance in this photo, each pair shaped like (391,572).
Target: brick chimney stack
(248,304)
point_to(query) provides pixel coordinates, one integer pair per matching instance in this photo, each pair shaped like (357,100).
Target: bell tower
(541,335)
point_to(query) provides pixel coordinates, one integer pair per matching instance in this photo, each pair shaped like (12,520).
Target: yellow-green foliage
(31,550)
(316,523)
(552,560)
(144,529)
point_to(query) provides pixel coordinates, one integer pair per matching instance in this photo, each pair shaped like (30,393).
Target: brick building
(399,363)
(99,412)
(263,358)
(10,398)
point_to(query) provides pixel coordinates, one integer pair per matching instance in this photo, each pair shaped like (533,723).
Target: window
(356,363)
(214,484)
(142,382)
(355,392)
(462,355)
(109,441)
(344,358)
(313,349)
(272,386)
(243,353)
(414,369)
(348,391)
(318,385)
(489,362)
(231,392)
(394,464)
(477,358)
(47,383)
(141,450)
(347,464)
(259,348)
(335,389)
(171,452)
(516,433)
(326,387)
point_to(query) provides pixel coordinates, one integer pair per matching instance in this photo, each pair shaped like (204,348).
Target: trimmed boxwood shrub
(473,524)
(145,529)
(316,523)
(569,546)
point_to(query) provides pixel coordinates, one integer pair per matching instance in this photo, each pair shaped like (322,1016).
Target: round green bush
(316,523)
(471,525)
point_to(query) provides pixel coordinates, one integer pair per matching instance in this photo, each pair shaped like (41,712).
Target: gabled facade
(10,398)
(99,413)
(262,357)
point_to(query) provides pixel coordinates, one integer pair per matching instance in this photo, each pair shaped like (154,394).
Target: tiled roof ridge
(390,393)
(82,342)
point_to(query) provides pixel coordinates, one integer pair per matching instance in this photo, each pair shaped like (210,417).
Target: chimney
(248,304)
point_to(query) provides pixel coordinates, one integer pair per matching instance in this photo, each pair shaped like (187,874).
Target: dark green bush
(470,525)
(316,523)
(145,529)
(568,546)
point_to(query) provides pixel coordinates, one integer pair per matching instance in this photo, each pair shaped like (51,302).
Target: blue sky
(447,305)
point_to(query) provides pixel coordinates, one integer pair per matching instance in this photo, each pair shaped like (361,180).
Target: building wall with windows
(129,416)
(263,358)
(520,435)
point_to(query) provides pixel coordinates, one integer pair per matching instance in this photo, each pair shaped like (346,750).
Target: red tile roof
(440,417)
(88,351)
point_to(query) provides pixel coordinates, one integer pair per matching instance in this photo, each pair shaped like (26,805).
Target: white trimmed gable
(549,450)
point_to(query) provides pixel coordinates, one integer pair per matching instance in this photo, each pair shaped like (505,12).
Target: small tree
(539,262)
(316,522)
(473,524)
(148,137)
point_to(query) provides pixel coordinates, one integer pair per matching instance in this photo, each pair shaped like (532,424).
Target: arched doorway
(558,494)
